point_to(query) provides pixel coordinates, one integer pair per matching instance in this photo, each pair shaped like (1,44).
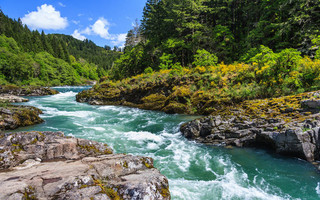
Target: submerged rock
(48,165)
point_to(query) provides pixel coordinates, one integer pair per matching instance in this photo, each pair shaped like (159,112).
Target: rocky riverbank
(288,125)
(48,165)
(161,92)
(12,116)
(26,90)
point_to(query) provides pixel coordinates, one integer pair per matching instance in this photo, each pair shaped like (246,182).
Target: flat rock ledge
(48,165)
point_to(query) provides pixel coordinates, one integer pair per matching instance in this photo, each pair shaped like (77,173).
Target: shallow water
(195,171)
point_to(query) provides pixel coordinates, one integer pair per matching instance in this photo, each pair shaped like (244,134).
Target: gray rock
(58,167)
(283,138)
(310,103)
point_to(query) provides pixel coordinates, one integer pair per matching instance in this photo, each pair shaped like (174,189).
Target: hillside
(31,58)
(89,51)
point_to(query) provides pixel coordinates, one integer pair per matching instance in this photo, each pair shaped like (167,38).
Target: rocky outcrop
(298,140)
(163,92)
(7,98)
(12,117)
(268,123)
(47,165)
(26,90)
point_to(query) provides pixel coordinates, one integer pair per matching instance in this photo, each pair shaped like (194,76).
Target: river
(195,171)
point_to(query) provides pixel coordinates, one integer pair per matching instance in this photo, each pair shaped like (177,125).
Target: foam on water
(195,171)
(318,189)
(143,136)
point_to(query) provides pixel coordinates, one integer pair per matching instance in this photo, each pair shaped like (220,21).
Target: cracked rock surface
(48,165)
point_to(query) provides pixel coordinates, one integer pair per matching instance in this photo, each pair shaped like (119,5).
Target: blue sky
(105,22)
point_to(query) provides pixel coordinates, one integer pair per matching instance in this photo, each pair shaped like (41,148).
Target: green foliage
(173,31)
(148,70)
(41,68)
(204,58)
(28,57)
(166,61)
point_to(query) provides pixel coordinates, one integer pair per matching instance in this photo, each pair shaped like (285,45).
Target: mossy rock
(175,107)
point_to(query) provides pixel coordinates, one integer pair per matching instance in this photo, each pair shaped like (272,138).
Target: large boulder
(48,165)
(12,117)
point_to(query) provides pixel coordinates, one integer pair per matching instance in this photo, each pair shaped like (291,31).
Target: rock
(288,139)
(311,103)
(26,90)
(12,98)
(296,143)
(58,167)
(12,117)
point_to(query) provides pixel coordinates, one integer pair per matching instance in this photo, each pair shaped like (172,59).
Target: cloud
(120,40)
(61,4)
(76,34)
(75,22)
(101,28)
(87,31)
(46,17)
(90,19)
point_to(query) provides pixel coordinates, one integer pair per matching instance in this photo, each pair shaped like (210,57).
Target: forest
(33,58)
(173,33)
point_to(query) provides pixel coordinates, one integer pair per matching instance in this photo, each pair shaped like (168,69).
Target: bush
(204,58)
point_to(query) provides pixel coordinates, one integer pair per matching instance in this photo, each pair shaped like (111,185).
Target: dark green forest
(32,58)
(172,32)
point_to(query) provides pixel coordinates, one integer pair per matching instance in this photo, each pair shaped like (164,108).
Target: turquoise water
(194,171)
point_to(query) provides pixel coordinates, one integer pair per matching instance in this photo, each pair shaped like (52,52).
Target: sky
(105,22)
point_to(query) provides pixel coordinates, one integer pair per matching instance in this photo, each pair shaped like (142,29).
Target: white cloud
(75,22)
(61,4)
(46,17)
(101,28)
(76,34)
(90,19)
(87,31)
(80,15)
(120,40)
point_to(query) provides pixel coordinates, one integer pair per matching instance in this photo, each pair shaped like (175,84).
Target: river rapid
(195,171)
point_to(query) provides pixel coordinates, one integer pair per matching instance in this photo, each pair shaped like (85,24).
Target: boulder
(12,117)
(311,103)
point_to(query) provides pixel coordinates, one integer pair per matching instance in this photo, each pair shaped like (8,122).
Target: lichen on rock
(48,165)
